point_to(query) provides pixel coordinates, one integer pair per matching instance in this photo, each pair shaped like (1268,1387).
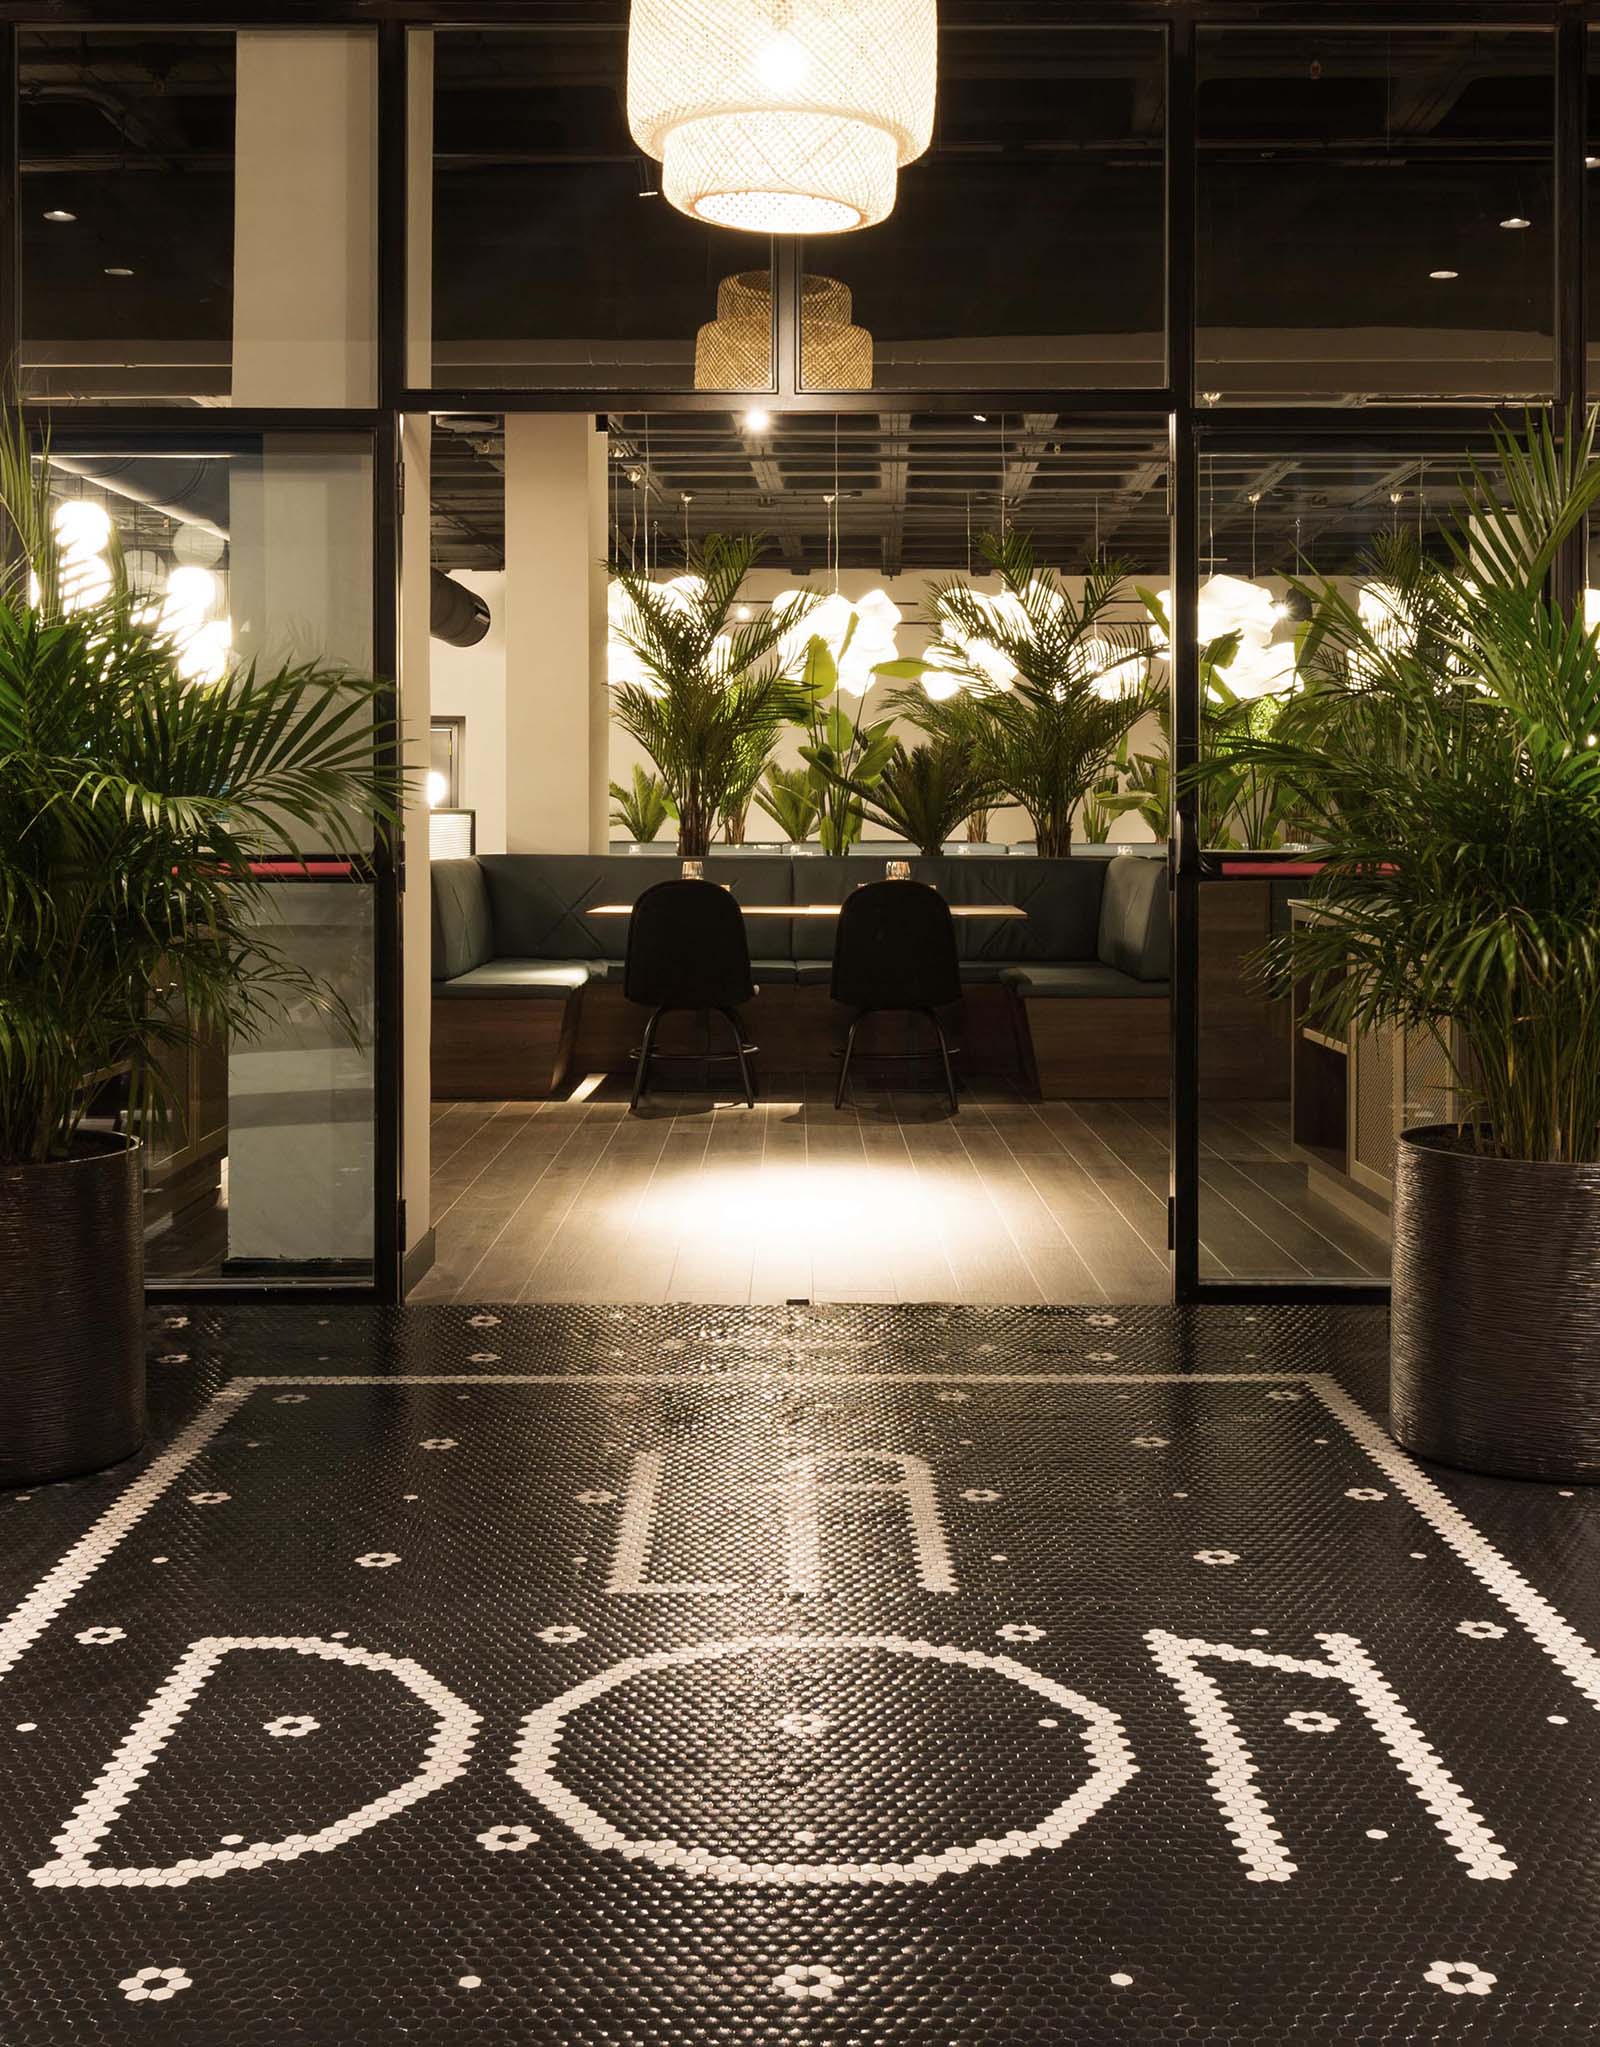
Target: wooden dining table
(1009,911)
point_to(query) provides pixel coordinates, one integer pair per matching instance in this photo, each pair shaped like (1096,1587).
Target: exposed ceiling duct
(456,615)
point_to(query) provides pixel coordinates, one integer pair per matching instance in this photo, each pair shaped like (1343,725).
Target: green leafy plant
(1445,759)
(136,811)
(641,807)
(924,793)
(789,797)
(713,693)
(953,721)
(1098,815)
(1033,662)
(843,749)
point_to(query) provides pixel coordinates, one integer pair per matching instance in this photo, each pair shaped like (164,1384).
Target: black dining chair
(687,950)
(895,949)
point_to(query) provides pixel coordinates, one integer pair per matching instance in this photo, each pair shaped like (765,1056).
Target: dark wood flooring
(891,1199)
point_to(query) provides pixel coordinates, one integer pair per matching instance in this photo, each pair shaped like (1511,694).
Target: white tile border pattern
(1559,1640)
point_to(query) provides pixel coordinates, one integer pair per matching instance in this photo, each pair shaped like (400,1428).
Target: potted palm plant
(923,793)
(1056,681)
(703,693)
(1445,755)
(136,809)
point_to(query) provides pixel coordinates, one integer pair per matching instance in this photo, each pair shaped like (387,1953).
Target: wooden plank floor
(890,1199)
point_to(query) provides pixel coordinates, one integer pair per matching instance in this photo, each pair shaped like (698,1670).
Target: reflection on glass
(1026,247)
(263,555)
(126,154)
(1296,1128)
(1375,212)
(556,261)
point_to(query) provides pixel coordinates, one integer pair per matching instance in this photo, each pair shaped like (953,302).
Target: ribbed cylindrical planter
(71,1313)
(1495,1317)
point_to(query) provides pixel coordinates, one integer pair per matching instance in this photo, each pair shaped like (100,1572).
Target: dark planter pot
(71,1313)
(1495,1331)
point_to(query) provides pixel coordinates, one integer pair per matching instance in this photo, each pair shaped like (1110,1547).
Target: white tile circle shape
(98,1636)
(805,1980)
(291,1726)
(507,1840)
(534,1767)
(377,1560)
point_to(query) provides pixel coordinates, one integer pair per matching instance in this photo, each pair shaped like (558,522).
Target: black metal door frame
(1190,428)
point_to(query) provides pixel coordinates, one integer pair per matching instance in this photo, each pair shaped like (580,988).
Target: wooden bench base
(1095,1049)
(498,1049)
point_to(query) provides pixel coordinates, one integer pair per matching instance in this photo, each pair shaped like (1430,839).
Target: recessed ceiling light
(757,420)
(1444,274)
(59,213)
(982,418)
(118,270)
(1516,220)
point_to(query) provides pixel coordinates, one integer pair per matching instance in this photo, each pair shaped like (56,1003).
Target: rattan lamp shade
(733,352)
(782,116)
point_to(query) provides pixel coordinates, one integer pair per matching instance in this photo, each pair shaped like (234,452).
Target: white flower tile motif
(1364,1492)
(1310,1723)
(507,1840)
(172,1357)
(1287,1394)
(208,1499)
(1216,1556)
(154,1986)
(1151,1443)
(291,1726)
(594,1496)
(1481,1631)
(102,1635)
(483,1320)
(1020,1631)
(1103,1357)
(980,1496)
(806,1981)
(562,1636)
(437,1443)
(484,1357)
(378,1560)
(1102,1320)
(290,1399)
(953,1396)
(1460,1979)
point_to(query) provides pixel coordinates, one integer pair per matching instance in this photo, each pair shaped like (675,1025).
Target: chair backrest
(463,930)
(687,948)
(895,948)
(1135,918)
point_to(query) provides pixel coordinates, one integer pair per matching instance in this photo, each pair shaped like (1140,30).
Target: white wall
(470,683)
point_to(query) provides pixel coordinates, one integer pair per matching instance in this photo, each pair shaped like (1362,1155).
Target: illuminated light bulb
(757,420)
(191,592)
(85,581)
(81,527)
(783,63)
(438,788)
(203,653)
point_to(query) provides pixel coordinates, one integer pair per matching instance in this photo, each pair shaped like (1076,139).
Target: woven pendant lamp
(782,116)
(733,352)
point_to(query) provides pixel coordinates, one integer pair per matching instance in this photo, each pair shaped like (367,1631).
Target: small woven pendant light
(783,116)
(733,352)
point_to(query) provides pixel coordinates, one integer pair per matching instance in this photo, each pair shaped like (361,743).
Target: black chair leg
(746,1080)
(944,1054)
(642,1069)
(844,1064)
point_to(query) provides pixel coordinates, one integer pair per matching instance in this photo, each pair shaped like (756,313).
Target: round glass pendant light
(733,352)
(782,116)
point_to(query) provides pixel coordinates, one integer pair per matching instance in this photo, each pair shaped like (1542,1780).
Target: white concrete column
(557,708)
(305,307)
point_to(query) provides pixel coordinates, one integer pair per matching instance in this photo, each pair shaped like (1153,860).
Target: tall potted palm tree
(1055,682)
(137,810)
(704,693)
(1446,755)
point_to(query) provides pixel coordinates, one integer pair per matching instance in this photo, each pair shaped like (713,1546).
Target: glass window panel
(1026,247)
(263,552)
(127,204)
(556,262)
(1297,1123)
(199,216)
(1375,214)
